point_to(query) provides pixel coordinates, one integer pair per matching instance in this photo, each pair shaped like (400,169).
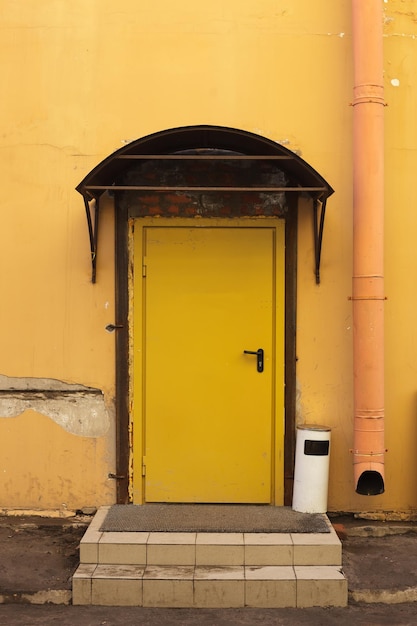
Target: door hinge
(144,268)
(144,466)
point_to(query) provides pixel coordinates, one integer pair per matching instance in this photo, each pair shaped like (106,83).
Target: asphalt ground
(38,557)
(358,615)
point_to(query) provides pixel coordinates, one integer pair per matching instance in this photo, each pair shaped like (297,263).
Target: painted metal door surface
(208,296)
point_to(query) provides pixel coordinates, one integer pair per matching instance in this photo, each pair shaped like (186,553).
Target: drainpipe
(368,249)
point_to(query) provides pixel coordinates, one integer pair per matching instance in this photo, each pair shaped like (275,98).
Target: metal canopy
(207,143)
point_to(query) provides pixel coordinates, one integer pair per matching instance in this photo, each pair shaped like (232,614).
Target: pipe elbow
(370,482)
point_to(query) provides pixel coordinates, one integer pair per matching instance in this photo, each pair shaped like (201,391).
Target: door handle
(259,358)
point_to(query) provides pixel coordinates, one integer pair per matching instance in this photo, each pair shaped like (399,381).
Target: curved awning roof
(172,143)
(205,143)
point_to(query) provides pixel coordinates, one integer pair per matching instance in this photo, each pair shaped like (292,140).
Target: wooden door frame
(122,294)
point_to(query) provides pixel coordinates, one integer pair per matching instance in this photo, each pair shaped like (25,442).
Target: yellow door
(208,295)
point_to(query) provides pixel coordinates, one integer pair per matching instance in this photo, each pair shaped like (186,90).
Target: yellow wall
(80,79)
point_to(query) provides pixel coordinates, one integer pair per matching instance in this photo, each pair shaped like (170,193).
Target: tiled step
(209,569)
(218,549)
(271,586)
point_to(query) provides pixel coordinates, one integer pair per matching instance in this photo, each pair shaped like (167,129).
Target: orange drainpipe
(368,247)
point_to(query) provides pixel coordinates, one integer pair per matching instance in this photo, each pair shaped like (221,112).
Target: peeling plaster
(78,409)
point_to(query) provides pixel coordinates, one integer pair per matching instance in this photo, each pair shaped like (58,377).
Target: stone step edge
(46,596)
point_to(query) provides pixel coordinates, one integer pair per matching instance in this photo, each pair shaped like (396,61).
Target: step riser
(210,587)
(210,549)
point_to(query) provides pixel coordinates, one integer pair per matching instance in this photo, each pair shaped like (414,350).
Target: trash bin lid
(315,427)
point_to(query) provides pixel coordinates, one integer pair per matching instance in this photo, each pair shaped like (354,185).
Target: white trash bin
(311,474)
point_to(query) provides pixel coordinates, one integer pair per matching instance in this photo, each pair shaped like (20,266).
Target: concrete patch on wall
(80,410)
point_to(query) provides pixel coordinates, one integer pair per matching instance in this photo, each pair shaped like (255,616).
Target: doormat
(209,518)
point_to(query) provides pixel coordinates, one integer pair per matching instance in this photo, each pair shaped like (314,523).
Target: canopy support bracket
(92,209)
(318,225)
